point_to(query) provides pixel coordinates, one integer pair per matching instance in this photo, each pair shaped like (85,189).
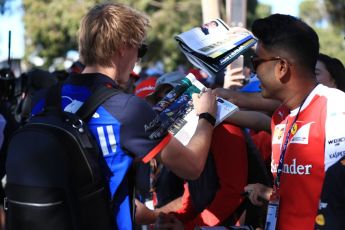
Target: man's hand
(205,102)
(169,222)
(258,194)
(227,94)
(234,78)
(143,215)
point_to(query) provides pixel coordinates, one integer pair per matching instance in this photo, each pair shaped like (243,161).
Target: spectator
(129,87)
(305,129)
(35,80)
(157,184)
(110,42)
(330,72)
(332,203)
(146,87)
(214,198)
(76,67)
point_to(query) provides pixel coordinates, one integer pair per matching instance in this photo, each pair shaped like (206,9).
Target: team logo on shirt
(294,167)
(322,205)
(278,134)
(320,220)
(337,154)
(294,129)
(336,141)
(96,115)
(301,134)
(73,105)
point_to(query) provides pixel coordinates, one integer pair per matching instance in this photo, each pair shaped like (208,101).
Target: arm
(252,101)
(231,165)
(251,119)
(188,161)
(258,193)
(143,215)
(172,206)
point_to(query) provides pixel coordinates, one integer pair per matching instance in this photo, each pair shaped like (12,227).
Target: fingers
(234,71)
(168,221)
(205,102)
(258,194)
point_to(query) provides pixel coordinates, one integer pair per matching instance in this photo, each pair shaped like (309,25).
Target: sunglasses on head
(142,50)
(256,61)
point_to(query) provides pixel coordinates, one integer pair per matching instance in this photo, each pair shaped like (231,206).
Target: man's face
(264,63)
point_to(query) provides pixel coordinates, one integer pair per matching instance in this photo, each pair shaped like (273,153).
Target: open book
(213,46)
(176,113)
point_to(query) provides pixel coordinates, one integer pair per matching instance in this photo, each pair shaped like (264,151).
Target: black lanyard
(284,147)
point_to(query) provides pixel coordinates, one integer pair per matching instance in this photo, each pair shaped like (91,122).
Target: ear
(121,51)
(282,70)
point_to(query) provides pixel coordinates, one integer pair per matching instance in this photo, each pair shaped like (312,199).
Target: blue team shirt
(121,126)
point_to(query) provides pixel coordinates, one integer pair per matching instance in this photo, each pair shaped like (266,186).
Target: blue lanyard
(284,147)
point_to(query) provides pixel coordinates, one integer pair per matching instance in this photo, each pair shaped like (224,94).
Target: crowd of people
(277,163)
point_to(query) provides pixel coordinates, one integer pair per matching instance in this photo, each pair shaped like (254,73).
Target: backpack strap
(85,112)
(53,97)
(100,95)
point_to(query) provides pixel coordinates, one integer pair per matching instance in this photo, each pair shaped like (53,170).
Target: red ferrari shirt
(317,141)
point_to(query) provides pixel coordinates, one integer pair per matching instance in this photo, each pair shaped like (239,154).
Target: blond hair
(105,28)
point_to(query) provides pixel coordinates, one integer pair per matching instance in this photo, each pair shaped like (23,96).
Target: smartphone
(234,74)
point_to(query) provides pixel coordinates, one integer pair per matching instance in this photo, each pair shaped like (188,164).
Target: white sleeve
(334,129)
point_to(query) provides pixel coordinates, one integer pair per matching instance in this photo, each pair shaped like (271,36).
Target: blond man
(111,41)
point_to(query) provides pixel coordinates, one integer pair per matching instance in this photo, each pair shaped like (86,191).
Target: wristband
(208,117)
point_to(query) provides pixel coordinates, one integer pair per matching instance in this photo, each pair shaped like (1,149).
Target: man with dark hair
(306,138)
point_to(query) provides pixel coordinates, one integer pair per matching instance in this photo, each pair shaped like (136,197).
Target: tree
(320,16)
(261,11)
(312,12)
(336,12)
(168,18)
(51,26)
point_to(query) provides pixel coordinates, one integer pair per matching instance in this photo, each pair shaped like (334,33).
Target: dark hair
(335,68)
(291,34)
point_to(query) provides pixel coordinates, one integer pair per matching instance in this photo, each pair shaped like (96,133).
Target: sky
(12,20)
(283,6)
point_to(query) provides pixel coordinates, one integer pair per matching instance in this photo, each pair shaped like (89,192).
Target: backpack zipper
(40,205)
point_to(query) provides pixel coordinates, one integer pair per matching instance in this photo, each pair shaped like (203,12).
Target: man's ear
(282,70)
(121,51)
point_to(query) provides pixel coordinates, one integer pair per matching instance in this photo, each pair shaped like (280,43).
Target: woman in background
(330,72)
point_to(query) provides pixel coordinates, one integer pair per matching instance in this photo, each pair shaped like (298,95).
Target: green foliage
(168,18)
(311,11)
(331,43)
(262,11)
(252,6)
(51,26)
(336,13)
(331,32)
